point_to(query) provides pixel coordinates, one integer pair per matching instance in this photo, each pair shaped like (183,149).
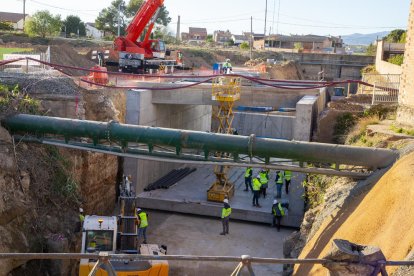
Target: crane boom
(141,19)
(134,56)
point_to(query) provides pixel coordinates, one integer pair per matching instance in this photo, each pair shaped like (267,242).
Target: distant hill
(362,39)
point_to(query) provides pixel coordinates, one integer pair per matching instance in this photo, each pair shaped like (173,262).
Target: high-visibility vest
(256,184)
(263,178)
(280,178)
(143,219)
(92,244)
(81,218)
(227,65)
(248,173)
(282,211)
(288,175)
(225,212)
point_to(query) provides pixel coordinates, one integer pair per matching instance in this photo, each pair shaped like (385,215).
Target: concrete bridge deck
(190,196)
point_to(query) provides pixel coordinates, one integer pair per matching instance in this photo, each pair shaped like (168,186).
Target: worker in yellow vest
(142,222)
(225,216)
(288,177)
(278,211)
(279,183)
(264,180)
(256,191)
(248,179)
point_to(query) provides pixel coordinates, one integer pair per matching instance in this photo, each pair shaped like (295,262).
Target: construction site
(135,157)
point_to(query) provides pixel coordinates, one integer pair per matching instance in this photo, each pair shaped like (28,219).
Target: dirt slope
(383,217)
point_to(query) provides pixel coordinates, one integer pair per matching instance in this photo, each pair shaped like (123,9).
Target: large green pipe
(208,142)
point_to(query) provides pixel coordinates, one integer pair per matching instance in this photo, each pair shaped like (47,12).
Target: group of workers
(260,183)
(258,186)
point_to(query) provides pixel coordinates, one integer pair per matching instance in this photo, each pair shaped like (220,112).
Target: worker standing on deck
(256,191)
(288,177)
(248,179)
(227,68)
(142,222)
(278,211)
(225,216)
(279,184)
(264,180)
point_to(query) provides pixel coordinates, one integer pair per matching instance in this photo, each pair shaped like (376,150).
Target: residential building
(305,43)
(195,35)
(239,39)
(92,31)
(221,37)
(16,19)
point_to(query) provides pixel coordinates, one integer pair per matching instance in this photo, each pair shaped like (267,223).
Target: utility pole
(278,15)
(251,37)
(24,13)
(265,20)
(178,28)
(119,18)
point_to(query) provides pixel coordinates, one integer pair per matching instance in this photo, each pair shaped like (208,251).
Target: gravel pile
(40,83)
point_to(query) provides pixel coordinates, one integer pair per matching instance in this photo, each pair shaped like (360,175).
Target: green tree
(397,59)
(229,42)
(6,26)
(108,18)
(134,5)
(73,23)
(210,38)
(371,50)
(403,38)
(298,46)
(43,23)
(245,46)
(395,36)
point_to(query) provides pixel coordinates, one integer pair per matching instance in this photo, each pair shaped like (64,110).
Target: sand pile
(383,217)
(66,55)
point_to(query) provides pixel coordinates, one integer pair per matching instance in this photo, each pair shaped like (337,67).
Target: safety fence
(386,93)
(384,79)
(282,84)
(103,260)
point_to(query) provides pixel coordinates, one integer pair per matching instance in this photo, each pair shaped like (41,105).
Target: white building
(16,19)
(92,31)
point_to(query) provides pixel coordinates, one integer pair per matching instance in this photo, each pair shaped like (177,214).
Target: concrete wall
(382,66)
(140,111)
(250,96)
(264,124)
(406,95)
(297,125)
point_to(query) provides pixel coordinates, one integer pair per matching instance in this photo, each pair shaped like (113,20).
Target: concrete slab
(190,196)
(194,235)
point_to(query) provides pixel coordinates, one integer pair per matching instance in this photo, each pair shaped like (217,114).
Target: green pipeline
(209,143)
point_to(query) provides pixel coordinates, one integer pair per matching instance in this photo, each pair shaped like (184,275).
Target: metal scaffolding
(225,91)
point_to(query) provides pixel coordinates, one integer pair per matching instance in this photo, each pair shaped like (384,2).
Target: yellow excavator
(118,235)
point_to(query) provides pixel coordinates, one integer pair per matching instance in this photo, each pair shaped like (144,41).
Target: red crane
(137,55)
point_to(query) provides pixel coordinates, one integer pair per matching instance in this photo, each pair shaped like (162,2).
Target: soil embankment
(381,217)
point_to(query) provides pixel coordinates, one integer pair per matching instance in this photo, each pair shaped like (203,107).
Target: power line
(65,9)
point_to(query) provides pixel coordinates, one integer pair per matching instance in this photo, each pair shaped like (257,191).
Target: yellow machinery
(226,91)
(118,235)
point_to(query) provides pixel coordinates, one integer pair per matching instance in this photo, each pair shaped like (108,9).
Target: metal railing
(386,93)
(393,79)
(104,260)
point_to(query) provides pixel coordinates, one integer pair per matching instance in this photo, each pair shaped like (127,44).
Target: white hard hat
(275,201)
(80,210)
(226,200)
(227,60)
(139,209)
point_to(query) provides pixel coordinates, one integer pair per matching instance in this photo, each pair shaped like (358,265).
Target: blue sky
(323,17)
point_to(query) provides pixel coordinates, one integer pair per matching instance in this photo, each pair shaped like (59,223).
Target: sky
(320,17)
